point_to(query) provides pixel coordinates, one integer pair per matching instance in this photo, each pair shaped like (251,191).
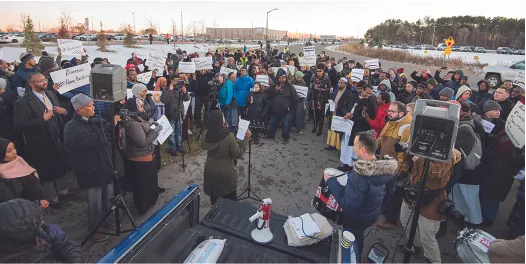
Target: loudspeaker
(108,83)
(435,124)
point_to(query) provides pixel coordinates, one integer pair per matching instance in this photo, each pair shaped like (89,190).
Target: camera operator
(438,176)
(202,94)
(139,154)
(371,179)
(172,97)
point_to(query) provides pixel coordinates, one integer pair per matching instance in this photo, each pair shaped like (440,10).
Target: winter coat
(506,106)
(500,162)
(333,76)
(361,199)
(360,123)
(42,139)
(21,77)
(393,132)
(440,80)
(202,83)
(258,104)
(139,138)
(7,100)
(21,226)
(87,143)
(283,100)
(453,85)
(464,144)
(387,83)
(220,174)
(506,251)
(27,187)
(406,97)
(438,176)
(499,127)
(435,92)
(242,89)
(226,93)
(343,106)
(479,98)
(173,103)
(379,120)
(320,88)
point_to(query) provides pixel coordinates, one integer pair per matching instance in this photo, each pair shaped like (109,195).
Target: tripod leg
(92,232)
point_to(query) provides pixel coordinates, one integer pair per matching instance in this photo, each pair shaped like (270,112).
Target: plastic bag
(207,251)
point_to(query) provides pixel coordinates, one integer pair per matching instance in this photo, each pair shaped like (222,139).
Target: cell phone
(364,111)
(376,256)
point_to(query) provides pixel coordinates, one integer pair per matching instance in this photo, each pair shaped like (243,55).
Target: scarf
(216,130)
(16,169)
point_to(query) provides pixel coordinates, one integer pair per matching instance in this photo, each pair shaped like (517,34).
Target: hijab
(131,104)
(13,169)
(158,84)
(216,129)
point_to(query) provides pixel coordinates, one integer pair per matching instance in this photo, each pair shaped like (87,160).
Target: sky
(342,18)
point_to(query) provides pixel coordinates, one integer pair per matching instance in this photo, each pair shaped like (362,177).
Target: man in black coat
(39,118)
(501,96)
(283,97)
(481,96)
(7,99)
(87,143)
(201,94)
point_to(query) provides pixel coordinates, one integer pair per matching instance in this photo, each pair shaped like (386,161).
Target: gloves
(52,233)
(158,128)
(151,121)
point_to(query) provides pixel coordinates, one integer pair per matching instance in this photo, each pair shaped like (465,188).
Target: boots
(314,128)
(320,128)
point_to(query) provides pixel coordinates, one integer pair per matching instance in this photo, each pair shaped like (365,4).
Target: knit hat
(447,92)
(461,91)
(137,89)
(432,82)
(25,57)
(47,65)
(482,81)
(344,79)
(299,74)
(491,105)
(80,100)
(3,83)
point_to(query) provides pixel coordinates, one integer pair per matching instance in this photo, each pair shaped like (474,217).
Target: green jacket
(220,169)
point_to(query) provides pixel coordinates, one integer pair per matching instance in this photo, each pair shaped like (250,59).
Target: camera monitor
(434,129)
(108,83)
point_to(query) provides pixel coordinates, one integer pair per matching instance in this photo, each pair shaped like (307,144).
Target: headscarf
(137,89)
(158,84)
(13,169)
(131,104)
(216,129)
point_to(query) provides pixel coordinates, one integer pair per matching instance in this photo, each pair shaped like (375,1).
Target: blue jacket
(226,93)
(361,199)
(242,89)
(21,77)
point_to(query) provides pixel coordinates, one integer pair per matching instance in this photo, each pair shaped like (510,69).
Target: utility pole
(134,30)
(266,30)
(92,23)
(182,25)
(433,39)
(173,30)
(421,37)
(194,30)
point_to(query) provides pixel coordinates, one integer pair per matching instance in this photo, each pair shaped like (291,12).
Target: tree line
(488,32)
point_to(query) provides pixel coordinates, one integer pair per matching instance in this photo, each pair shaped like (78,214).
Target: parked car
(137,37)
(48,37)
(324,43)
(73,36)
(518,52)
(441,46)
(497,74)
(504,50)
(465,49)
(86,37)
(479,50)
(110,37)
(12,38)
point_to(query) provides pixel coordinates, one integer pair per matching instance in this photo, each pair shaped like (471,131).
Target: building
(253,33)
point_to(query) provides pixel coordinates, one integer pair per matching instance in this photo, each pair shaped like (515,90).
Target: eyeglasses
(391,111)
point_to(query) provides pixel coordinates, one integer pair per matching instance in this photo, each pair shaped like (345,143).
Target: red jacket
(378,123)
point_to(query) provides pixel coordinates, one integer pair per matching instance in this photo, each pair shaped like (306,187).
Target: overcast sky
(347,18)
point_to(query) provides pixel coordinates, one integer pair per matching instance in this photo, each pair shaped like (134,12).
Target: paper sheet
(332,106)
(304,228)
(488,126)
(341,125)
(242,128)
(165,132)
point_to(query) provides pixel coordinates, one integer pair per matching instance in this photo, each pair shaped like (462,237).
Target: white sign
(309,56)
(262,79)
(156,62)
(274,69)
(488,126)
(519,79)
(71,78)
(70,47)
(204,63)
(10,54)
(292,69)
(372,64)
(332,106)
(339,67)
(156,97)
(301,90)
(341,125)
(186,67)
(141,67)
(357,75)
(515,125)
(144,77)
(242,128)
(165,132)
(225,70)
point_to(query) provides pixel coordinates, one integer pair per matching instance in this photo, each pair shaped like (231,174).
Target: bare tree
(189,29)
(203,26)
(64,24)
(151,28)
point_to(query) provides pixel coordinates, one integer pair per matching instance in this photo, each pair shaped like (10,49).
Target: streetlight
(266,31)
(134,31)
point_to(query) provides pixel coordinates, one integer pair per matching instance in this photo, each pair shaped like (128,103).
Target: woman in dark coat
(320,88)
(222,151)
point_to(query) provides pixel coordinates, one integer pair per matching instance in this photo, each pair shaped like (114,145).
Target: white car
(12,38)
(86,37)
(119,36)
(496,75)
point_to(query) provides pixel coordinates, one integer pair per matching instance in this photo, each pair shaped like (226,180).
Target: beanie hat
(3,83)
(20,223)
(299,74)
(491,105)
(447,92)
(80,100)
(25,57)
(400,70)
(46,65)
(432,82)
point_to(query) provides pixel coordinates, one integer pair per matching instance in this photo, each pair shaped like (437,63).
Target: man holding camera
(87,141)
(172,97)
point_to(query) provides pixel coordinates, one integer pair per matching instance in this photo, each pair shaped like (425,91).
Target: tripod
(248,191)
(210,101)
(118,202)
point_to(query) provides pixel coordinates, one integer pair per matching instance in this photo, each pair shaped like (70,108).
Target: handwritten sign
(203,63)
(292,69)
(10,54)
(165,132)
(515,125)
(71,78)
(488,126)
(357,75)
(144,77)
(187,67)
(70,47)
(339,67)
(372,64)
(301,90)
(341,125)
(262,79)
(309,55)
(225,70)
(156,62)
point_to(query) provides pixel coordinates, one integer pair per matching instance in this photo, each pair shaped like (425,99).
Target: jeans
(285,124)
(98,204)
(227,112)
(425,236)
(175,141)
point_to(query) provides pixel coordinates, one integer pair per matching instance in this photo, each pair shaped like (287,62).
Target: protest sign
(10,54)
(71,78)
(156,97)
(226,71)
(165,132)
(488,126)
(242,129)
(372,64)
(357,75)
(141,67)
(339,67)
(292,69)
(301,90)
(186,67)
(262,79)
(204,63)
(156,62)
(70,47)
(309,56)
(341,125)
(515,125)
(332,106)
(144,77)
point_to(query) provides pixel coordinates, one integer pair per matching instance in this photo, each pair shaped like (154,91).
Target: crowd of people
(44,134)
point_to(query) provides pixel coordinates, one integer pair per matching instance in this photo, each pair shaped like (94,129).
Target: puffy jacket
(242,89)
(282,100)
(172,103)
(361,199)
(21,77)
(387,83)
(226,93)
(393,132)
(379,121)
(139,138)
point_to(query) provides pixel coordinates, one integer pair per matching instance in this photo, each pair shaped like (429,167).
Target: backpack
(472,159)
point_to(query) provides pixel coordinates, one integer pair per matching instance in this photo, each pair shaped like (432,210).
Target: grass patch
(406,57)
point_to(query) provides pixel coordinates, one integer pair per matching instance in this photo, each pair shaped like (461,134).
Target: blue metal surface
(117,252)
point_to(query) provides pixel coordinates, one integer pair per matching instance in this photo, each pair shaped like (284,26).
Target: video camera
(447,208)
(213,89)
